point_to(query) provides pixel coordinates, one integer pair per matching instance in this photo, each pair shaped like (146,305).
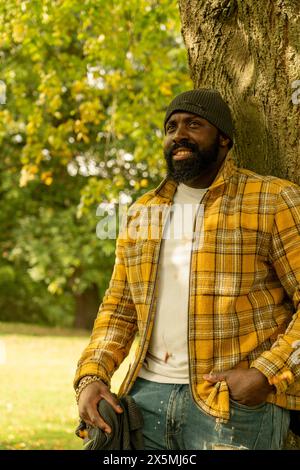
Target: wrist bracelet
(84,382)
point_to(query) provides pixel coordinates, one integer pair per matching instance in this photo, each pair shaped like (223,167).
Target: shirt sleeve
(114,328)
(281,364)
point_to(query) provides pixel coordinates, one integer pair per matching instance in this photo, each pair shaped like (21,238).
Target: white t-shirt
(167,356)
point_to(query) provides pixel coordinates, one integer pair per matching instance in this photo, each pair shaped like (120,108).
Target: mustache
(181,144)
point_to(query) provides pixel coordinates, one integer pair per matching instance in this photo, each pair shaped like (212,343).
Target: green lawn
(37,403)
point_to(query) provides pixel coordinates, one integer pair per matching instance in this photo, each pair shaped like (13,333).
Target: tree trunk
(250,52)
(86,307)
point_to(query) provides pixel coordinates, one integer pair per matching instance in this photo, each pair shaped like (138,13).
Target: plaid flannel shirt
(244,290)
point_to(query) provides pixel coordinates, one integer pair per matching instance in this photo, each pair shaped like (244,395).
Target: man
(216,309)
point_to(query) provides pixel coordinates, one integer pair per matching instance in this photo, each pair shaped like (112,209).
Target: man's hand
(247,386)
(88,402)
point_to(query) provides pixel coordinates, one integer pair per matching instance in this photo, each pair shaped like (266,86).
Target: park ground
(37,401)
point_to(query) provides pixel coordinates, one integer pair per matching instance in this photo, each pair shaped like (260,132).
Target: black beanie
(206,103)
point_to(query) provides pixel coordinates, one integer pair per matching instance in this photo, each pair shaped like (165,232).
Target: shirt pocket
(232,261)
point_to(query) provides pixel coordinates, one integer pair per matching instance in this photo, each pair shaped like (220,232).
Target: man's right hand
(88,404)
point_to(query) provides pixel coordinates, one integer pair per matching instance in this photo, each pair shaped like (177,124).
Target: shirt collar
(167,188)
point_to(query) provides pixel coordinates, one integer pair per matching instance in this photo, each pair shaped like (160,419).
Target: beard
(201,159)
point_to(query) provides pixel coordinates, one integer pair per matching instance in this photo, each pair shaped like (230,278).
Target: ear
(223,140)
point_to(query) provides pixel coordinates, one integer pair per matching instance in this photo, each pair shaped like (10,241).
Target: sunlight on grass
(37,402)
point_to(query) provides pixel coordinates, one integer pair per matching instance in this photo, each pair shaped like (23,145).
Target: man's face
(191,145)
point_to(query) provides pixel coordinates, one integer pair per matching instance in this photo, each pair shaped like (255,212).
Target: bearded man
(216,309)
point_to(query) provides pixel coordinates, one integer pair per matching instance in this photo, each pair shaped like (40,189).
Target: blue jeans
(173,421)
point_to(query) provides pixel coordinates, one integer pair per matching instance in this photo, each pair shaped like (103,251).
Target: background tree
(250,51)
(86,88)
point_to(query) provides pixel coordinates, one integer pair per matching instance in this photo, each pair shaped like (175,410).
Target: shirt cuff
(281,377)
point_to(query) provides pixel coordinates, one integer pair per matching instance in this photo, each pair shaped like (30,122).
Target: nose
(180,134)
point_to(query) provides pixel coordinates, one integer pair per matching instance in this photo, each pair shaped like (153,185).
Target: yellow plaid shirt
(244,290)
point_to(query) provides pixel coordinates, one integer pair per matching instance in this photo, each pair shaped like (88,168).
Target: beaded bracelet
(84,382)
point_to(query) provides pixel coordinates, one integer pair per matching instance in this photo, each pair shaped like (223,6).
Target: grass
(37,401)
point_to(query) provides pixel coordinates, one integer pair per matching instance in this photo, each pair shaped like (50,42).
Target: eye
(170,127)
(195,123)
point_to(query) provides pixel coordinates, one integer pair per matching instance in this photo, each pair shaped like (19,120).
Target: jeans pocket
(247,423)
(242,406)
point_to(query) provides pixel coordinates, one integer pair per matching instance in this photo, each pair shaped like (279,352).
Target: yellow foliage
(77,87)
(165,89)
(54,288)
(144,183)
(34,123)
(82,136)
(55,103)
(47,178)
(79,126)
(90,111)
(28,173)
(48,181)
(119,181)
(6,118)
(114,80)
(30,128)
(33,169)
(18,32)
(20,445)
(4,40)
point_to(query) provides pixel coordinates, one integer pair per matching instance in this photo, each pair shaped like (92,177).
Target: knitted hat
(207,103)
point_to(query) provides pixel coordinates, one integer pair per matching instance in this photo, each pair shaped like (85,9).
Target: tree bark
(86,307)
(250,52)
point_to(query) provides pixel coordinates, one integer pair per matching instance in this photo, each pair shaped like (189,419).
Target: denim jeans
(173,421)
